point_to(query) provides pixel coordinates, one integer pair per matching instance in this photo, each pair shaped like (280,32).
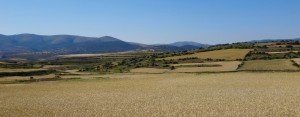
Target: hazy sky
(155,21)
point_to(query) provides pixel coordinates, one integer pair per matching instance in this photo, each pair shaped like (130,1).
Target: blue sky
(155,21)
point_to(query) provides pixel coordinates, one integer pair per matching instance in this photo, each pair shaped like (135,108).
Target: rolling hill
(63,43)
(189,44)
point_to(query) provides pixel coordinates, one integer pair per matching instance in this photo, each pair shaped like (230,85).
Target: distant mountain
(190,47)
(270,40)
(63,44)
(190,44)
(44,46)
(163,48)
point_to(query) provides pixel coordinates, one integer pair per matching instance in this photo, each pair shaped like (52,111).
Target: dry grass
(225,94)
(225,66)
(271,65)
(18,70)
(228,54)
(13,78)
(195,64)
(297,60)
(149,70)
(282,52)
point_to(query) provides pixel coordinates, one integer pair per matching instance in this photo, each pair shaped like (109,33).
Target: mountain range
(71,44)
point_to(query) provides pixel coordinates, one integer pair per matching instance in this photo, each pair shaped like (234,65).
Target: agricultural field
(18,70)
(227,54)
(193,68)
(171,94)
(8,79)
(269,65)
(216,67)
(149,70)
(217,81)
(297,60)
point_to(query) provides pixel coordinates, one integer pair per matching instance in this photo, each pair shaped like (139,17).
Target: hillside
(42,46)
(190,44)
(62,43)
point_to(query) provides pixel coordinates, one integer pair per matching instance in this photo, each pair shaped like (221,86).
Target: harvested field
(177,94)
(228,54)
(18,70)
(149,70)
(269,65)
(13,78)
(225,67)
(297,60)
(282,52)
(192,67)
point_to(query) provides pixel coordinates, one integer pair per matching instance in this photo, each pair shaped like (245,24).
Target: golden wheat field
(172,94)
(228,54)
(271,65)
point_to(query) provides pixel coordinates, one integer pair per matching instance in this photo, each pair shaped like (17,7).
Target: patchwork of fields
(225,94)
(228,54)
(145,87)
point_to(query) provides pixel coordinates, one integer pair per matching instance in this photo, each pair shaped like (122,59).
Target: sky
(155,21)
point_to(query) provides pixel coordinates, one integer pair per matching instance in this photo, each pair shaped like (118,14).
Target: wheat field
(269,65)
(172,94)
(227,54)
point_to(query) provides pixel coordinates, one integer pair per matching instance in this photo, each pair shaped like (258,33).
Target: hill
(189,43)
(272,40)
(44,46)
(62,44)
